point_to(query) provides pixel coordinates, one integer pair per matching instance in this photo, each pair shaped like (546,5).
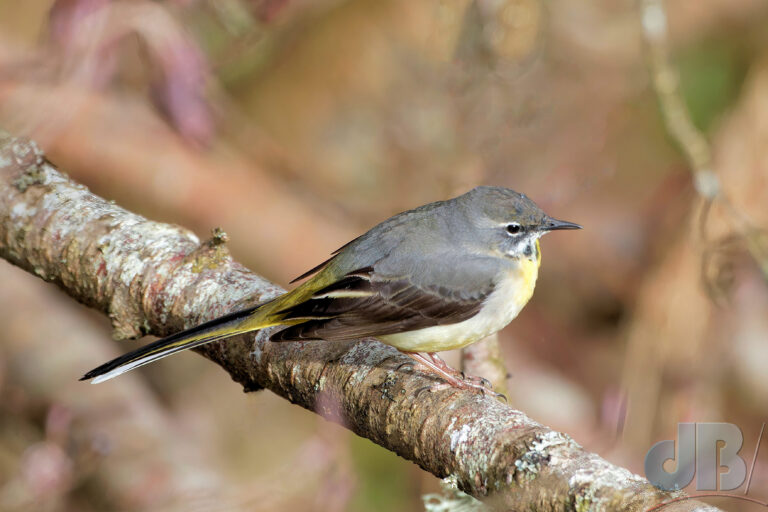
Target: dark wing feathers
(375,306)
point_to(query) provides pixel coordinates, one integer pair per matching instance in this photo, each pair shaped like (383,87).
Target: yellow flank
(267,315)
(512,292)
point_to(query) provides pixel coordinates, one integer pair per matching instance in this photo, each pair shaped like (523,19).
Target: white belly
(500,308)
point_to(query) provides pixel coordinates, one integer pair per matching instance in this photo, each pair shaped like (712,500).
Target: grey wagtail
(435,278)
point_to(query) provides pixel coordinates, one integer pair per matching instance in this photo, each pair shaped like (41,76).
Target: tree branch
(157,278)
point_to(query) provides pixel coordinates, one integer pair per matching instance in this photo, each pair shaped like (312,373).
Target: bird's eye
(514,228)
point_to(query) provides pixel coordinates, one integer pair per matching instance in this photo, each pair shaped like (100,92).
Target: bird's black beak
(551,224)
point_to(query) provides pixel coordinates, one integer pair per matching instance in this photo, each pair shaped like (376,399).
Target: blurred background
(295,125)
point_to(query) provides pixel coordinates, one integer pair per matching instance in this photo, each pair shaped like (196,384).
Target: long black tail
(219,328)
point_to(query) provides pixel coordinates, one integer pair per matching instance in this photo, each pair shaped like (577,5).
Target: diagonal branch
(157,278)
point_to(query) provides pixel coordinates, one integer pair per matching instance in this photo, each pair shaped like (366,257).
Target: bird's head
(505,222)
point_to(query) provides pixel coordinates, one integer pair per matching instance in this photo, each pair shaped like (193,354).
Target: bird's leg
(451,376)
(472,378)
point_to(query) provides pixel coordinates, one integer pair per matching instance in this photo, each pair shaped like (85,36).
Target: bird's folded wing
(363,303)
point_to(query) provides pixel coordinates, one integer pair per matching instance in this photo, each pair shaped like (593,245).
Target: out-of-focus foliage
(712,74)
(295,125)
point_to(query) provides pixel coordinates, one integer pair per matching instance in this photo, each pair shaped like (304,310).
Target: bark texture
(157,278)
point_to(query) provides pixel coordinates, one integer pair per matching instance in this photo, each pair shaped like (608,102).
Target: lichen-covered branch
(157,278)
(118,439)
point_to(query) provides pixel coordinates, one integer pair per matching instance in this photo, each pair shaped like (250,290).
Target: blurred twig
(695,147)
(484,358)
(158,278)
(497,35)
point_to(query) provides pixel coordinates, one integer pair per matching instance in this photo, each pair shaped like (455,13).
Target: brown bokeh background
(296,125)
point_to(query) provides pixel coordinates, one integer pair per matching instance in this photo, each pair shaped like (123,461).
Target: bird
(434,278)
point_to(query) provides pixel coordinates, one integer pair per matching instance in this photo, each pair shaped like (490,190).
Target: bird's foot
(452,377)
